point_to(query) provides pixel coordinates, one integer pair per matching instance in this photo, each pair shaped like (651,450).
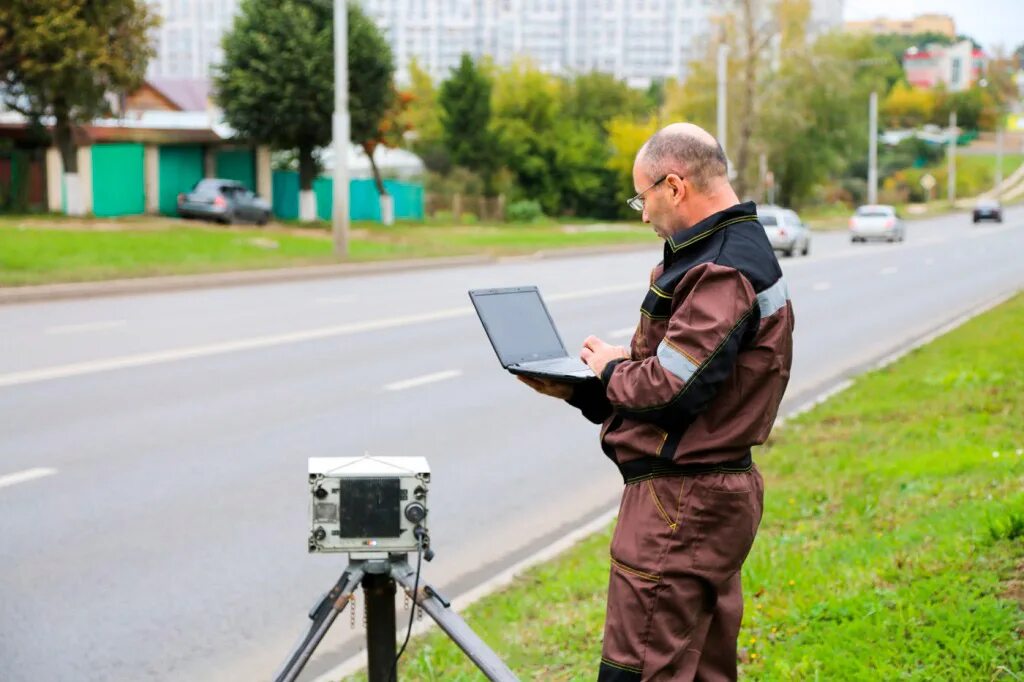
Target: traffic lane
(100,328)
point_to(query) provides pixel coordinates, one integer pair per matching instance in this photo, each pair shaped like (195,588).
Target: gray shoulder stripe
(773,298)
(675,362)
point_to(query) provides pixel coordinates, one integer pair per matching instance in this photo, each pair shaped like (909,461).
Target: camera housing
(368,506)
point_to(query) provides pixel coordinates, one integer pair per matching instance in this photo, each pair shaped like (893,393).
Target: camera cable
(412,611)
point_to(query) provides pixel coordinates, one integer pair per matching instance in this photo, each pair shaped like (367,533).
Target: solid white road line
(420,381)
(821,286)
(891,270)
(25,476)
(86,327)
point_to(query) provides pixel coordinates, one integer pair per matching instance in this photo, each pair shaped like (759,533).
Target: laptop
(524,336)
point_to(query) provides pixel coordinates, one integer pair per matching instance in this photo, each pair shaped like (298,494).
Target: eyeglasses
(637,202)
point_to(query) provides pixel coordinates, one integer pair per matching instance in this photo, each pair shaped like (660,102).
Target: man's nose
(644,217)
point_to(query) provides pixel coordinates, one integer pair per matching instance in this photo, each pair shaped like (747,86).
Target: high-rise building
(635,40)
(188,40)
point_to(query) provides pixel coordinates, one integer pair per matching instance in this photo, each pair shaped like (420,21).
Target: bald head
(687,150)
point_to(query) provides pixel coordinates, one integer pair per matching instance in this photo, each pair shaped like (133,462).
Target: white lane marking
(25,476)
(822,286)
(187,353)
(335,299)
(425,379)
(889,270)
(86,327)
(622,333)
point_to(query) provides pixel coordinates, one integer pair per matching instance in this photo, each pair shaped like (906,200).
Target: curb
(146,285)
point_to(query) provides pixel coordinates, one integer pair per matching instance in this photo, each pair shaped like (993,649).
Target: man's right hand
(555,389)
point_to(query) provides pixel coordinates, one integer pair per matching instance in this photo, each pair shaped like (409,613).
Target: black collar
(739,213)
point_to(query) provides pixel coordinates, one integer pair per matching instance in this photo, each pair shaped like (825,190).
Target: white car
(786,232)
(877,221)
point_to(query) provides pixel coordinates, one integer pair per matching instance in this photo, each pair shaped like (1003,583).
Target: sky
(990,22)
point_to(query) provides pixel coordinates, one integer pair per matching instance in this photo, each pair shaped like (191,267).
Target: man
(681,408)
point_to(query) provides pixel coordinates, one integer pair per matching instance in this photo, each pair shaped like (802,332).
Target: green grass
(892,545)
(48,249)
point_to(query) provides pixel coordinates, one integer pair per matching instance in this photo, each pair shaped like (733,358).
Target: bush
(523,211)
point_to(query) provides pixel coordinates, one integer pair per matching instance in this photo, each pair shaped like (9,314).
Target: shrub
(523,211)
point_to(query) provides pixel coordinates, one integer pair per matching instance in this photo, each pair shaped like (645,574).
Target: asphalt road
(153,448)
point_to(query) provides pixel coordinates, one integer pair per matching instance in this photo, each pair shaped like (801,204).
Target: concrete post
(54,186)
(209,161)
(264,185)
(152,178)
(85,178)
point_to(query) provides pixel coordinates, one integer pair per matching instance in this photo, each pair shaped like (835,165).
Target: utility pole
(951,156)
(999,159)
(339,217)
(873,149)
(723,74)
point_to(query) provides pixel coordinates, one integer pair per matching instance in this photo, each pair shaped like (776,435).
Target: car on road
(988,209)
(877,221)
(786,232)
(223,201)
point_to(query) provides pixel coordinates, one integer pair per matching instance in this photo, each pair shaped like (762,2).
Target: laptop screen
(518,325)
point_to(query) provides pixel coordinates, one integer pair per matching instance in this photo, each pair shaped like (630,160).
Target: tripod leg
(323,616)
(482,655)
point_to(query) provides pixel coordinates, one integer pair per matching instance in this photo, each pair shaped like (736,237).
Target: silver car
(225,201)
(877,221)
(786,232)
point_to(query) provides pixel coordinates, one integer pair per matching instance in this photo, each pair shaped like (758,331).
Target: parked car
(786,232)
(225,201)
(877,221)
(988,209)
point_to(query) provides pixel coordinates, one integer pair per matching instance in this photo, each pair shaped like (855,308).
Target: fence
(364,202)
(460,206)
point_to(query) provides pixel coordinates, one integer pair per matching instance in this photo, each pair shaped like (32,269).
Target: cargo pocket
(726,513)
(631,598)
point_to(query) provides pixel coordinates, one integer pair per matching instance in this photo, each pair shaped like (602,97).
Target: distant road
(153,448)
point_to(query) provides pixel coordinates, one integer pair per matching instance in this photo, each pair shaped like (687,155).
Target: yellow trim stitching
(657,503)
(620,666)
(679,350)
(640,574)
(716,228)
(660,293)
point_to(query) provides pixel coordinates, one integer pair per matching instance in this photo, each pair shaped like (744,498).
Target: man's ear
(678,187)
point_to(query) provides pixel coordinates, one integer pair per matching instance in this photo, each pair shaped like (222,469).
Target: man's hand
(555,389)
(597,354)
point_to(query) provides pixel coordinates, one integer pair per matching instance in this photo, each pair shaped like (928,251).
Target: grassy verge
(41,250)
(892,545)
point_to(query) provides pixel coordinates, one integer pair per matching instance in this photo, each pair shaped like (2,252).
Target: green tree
(598,97)
(465,99)
(276,83)
(61,58)
(422,117)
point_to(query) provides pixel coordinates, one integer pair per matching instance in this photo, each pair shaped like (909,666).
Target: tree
(907,107)
(422,118)
(625,137)
(61,58)
(276,83)
(465,100)
(598,97)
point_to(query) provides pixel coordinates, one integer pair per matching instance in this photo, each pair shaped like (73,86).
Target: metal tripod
(378,578)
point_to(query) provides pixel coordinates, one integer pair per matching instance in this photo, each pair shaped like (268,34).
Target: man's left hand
(597,354)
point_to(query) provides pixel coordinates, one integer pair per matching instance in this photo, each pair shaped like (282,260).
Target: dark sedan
(988,209)
(224,201)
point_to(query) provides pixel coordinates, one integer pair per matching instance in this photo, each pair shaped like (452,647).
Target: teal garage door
(237,164)
(181,167)
(117,180)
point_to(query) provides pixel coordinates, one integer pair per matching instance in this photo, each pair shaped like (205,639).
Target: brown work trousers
(674,597)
